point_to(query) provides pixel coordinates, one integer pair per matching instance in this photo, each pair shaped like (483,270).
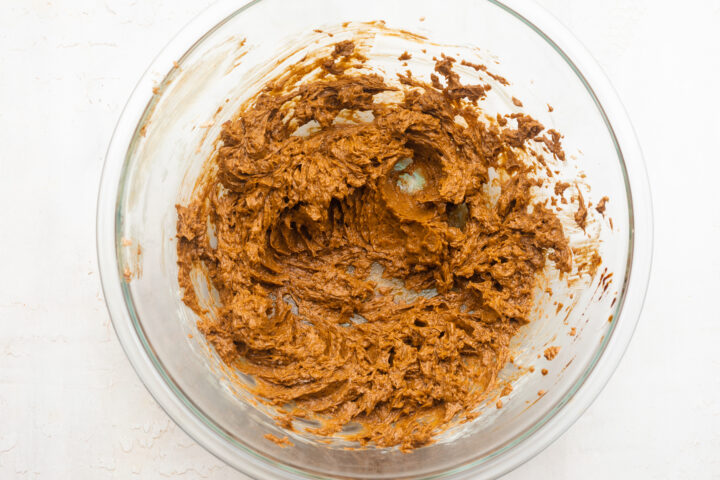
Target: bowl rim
(586,388)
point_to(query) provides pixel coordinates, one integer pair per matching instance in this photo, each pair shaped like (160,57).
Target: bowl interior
(177,133)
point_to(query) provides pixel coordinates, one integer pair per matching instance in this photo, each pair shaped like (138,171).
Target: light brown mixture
(280,442)
(551,352)
(582,213)
(321,236)
(601,205)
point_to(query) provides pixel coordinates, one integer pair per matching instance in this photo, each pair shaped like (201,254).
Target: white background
(70,404)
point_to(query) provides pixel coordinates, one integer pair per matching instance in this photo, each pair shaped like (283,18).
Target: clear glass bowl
(167,131)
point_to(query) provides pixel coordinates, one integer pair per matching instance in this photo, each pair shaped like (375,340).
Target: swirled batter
(365,272)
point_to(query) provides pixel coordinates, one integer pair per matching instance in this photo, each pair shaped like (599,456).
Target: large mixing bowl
(168,130)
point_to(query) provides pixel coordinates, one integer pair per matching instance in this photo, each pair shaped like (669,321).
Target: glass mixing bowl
(167,132)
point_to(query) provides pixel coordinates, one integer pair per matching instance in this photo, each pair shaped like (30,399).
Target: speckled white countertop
(71,405)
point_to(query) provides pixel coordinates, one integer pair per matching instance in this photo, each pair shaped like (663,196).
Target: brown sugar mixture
(365,273)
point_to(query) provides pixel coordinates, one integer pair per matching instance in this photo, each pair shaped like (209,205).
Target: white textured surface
(70,404)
